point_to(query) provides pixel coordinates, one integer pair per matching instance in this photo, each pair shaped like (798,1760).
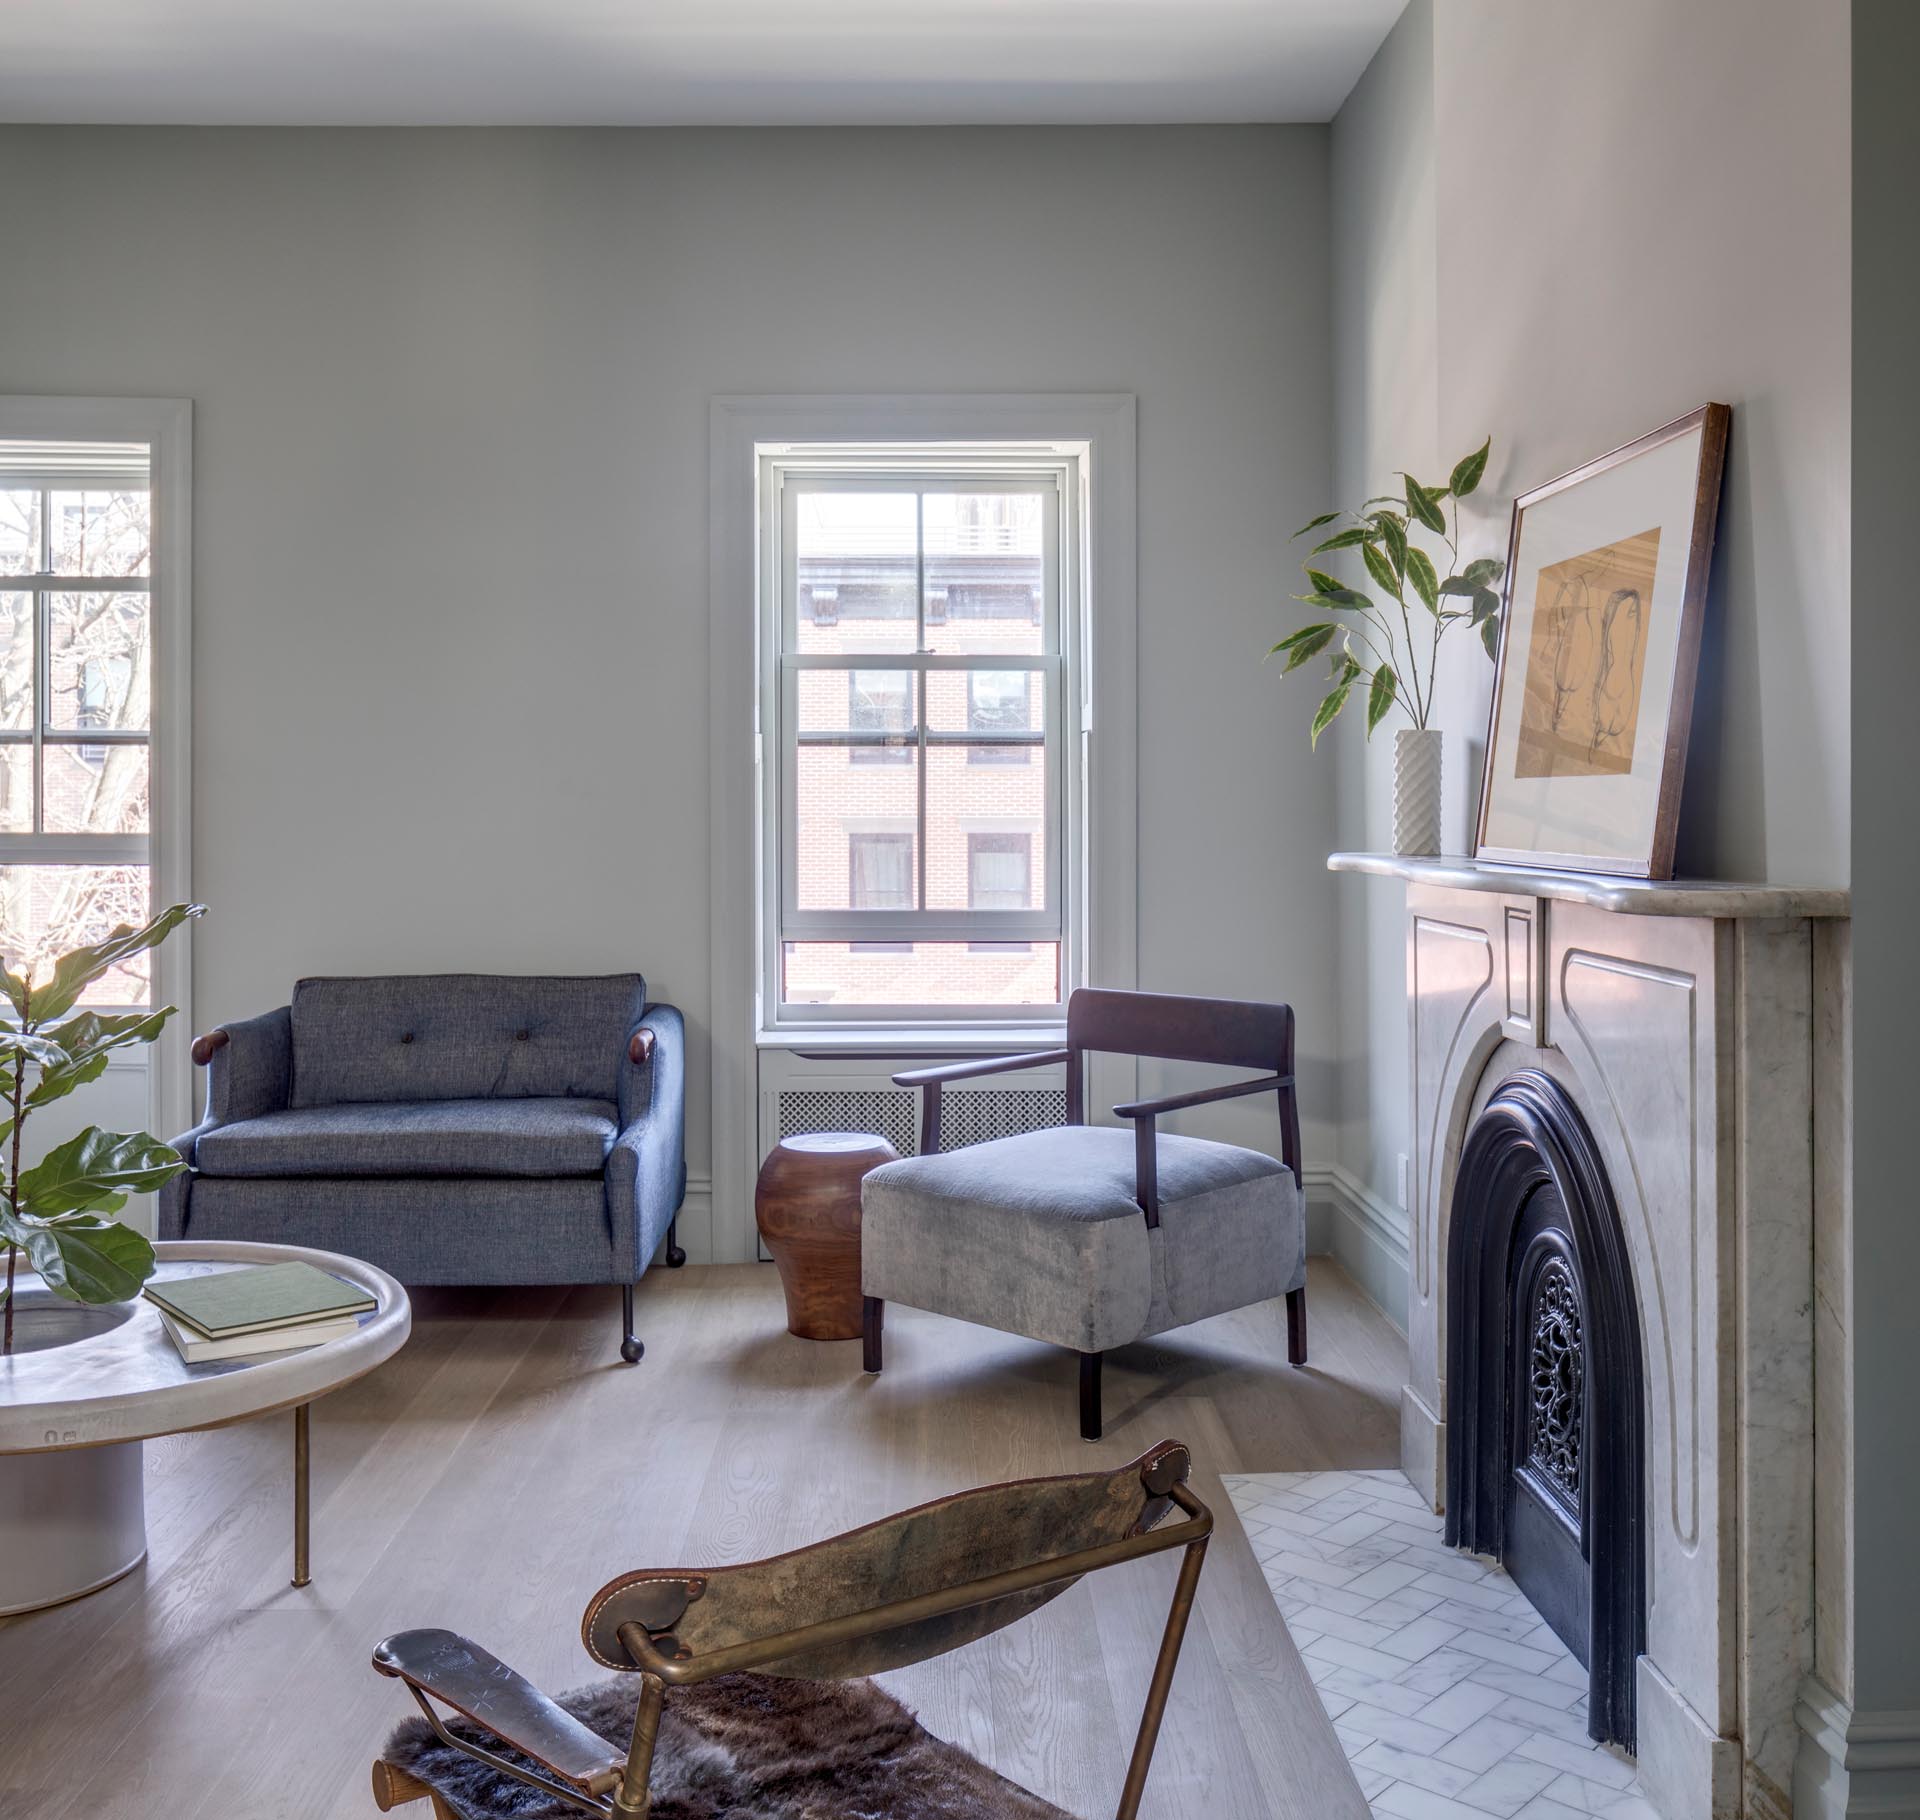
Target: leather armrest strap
(480,1687)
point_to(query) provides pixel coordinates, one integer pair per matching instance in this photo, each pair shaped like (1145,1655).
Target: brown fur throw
(746,1747)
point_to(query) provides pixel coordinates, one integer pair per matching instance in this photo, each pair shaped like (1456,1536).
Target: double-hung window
(920,660)
(76,688)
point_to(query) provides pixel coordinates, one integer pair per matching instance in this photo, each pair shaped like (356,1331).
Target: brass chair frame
(642,1610)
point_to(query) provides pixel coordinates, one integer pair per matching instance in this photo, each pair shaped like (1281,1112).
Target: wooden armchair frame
(1234,1033)
(940,1576)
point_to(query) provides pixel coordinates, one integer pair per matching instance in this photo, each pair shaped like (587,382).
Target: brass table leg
(302,1477)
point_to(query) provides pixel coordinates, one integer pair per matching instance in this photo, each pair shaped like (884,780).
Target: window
(919,656)
(999,871)
(76,667)
(999,703)
(880,871)
(880,703)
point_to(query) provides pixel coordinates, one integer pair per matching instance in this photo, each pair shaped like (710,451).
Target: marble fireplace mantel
(1603,891)
(1690,1022)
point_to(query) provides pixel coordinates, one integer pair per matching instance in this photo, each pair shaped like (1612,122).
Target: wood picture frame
(1603,609)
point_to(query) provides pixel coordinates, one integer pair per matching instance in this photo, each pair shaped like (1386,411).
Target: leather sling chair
(895,1592)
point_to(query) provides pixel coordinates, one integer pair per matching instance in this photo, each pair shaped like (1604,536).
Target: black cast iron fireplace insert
(1545,1465)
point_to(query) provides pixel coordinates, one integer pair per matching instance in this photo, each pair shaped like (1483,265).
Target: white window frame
(165,426)
(785,474)
(1100,428)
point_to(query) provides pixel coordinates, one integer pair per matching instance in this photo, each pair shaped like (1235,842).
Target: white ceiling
(674,62)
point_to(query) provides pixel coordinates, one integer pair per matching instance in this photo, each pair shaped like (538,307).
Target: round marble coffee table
(73,1415)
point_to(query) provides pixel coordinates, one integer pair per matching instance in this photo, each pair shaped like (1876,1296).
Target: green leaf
(88,1039)
(1457,584)
(1380,567)
(1424,505)
(1485,604)
(1421,573)
(1393,533)
(1467,471)
(95,1170)
(1484,572)
(1313,524)
(15,989)
(1490,635)
(16,1044)
(1339,597)
(1323,583)
(1380,697)
(1308,642)
(1328,711)
(73,973)
(83,1258)
(1344,540)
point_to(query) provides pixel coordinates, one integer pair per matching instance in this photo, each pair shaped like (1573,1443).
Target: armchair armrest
(1143,1113)
(1179,1102)
(931,1080)
(481,1688)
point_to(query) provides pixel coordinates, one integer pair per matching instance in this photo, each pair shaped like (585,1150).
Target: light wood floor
(504,1465)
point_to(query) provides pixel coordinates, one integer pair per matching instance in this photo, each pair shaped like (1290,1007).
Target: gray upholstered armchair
(451,1128)
(1092,1236)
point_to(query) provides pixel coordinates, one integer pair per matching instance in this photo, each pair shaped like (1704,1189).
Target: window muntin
(76,669)
(915,642)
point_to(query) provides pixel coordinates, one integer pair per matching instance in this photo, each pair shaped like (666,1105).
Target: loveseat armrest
(646,1168)
(249,1073)
(249,1067)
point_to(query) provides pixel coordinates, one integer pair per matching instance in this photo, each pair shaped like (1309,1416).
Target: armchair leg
(675,1256)
(1090,1396)
(873,1315)
(630,1348)
(1296,1326)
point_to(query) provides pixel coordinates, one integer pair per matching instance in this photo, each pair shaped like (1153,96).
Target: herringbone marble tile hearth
(1453,1700)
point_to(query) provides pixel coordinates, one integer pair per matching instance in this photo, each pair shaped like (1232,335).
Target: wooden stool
(807,1205)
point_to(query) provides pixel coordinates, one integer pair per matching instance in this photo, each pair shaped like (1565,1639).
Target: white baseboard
(696,1220)
(1348,1221)
(1854,1766)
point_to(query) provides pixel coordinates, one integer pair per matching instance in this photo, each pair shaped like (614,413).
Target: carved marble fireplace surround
(1681,1020)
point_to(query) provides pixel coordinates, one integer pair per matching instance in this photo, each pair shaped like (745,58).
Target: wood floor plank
(503,1466)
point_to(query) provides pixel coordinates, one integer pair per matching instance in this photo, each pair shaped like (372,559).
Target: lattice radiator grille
(966,1117)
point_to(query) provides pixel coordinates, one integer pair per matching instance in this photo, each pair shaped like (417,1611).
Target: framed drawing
(1606,591)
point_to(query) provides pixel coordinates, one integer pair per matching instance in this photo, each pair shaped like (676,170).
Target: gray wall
(1636,208)
(451,404)
(1886,875)
(1386,390)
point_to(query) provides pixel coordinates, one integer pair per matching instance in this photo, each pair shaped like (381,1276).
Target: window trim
(165,425)
(1065,719)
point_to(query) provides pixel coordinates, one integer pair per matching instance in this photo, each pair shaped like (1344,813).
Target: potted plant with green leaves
(57,1213)
(1390,645)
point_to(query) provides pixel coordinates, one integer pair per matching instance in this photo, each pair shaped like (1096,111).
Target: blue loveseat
(450,1128)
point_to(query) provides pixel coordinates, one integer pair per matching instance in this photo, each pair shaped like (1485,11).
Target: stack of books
(234,1314)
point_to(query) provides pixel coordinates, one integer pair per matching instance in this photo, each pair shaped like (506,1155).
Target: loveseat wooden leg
(1090,1396)
(630,1348)
(873,1316)
(1296,1326)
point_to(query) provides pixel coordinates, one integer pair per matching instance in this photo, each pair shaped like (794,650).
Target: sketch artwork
(1586,661)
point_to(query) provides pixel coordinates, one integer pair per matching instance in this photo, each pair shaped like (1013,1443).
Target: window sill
(908,1039)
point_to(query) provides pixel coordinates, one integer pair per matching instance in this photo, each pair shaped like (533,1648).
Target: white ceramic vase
(1416,792)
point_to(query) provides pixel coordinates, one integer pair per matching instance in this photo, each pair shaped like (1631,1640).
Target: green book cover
(256,1297)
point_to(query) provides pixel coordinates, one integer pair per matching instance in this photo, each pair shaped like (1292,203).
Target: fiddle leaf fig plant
(57,1212)
(1361,642)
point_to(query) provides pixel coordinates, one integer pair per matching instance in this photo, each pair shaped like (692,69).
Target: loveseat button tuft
(519,1036)
(406,1036)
